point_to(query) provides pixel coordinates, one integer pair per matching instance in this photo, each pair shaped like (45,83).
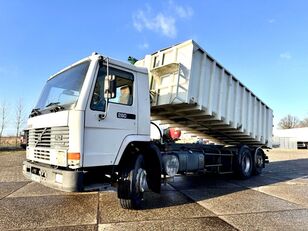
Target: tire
(132,183)
(245,163)
(258,164)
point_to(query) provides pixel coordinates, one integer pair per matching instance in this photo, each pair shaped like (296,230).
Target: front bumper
(65,180)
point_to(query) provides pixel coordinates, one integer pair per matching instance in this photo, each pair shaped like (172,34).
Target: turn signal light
(73,156)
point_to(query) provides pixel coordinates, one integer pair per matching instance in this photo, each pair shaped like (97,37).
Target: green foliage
(132,60)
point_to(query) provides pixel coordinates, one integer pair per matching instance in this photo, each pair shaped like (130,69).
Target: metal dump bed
(192,91)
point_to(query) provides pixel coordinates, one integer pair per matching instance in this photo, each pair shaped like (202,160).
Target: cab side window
(124,93)
(124,89)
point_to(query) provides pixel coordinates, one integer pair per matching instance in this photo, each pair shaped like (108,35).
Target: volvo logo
(39,139)
(58,137)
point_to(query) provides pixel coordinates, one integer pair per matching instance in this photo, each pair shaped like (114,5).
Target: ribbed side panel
(214,103)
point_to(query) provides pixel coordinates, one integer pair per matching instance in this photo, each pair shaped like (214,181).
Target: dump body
(191,90)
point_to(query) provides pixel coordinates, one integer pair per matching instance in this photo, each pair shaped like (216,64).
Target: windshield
(64,88)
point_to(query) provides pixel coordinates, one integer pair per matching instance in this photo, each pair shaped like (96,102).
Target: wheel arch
(129,142)
(152,157)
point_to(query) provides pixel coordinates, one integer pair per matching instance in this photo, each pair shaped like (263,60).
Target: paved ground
(276,200)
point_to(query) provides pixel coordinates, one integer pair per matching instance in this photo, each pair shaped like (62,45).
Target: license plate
(35,178)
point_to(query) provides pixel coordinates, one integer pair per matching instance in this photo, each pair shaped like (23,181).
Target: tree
(20,118)
(303,123)
(132,60)
(288,122)
(3,117)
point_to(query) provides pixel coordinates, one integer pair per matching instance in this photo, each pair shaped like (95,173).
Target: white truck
(93,119)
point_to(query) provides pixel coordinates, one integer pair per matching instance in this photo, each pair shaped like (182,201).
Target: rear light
(175,134)
(172,133)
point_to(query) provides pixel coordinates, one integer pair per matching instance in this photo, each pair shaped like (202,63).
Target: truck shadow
(180,190)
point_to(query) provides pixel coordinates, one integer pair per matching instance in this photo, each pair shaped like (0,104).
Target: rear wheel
(132,184)
(258,162)
(245,163)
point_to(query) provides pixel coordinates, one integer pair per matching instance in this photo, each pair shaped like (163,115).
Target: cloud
(144,45)
(285,55)
(181,11)
(272,20)
(162,21)
(159,23)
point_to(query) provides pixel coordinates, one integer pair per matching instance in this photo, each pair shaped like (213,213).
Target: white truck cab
(72,127)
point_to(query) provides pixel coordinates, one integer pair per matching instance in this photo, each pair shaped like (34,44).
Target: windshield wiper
(52,103)
(35,112)
(56,106)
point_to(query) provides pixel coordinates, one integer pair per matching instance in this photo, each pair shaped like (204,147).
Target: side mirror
(110,87)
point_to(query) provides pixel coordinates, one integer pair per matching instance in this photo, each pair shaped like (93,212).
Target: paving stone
(12,174)
(283,220)
(7,188)
(257,181)
(276,200)
(205,224)
(235,201)
(36,189)
(48,211)
(294,191)
(67,228)
(10,159)
(167,205)
(167,187)
(201,182)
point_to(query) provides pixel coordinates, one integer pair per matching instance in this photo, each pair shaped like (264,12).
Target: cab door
(103,136)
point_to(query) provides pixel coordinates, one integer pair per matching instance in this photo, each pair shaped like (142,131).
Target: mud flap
(153,168)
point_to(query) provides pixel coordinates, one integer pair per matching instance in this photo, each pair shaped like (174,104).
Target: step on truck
(93,123)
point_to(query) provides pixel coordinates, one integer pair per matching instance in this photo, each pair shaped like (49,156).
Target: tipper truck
(93,121)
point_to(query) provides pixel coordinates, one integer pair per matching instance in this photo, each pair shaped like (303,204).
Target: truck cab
(75,127)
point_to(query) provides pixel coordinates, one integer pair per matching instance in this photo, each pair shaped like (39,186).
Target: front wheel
(132,184)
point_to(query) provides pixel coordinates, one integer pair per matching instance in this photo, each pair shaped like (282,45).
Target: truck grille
(42,155)
(48,138)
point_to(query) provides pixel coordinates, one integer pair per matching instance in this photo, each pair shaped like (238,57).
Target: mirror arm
(109,89)
(103,115)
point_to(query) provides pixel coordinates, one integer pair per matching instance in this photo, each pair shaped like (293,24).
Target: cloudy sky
(263,43)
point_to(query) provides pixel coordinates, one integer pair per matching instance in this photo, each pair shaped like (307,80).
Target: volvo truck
(93,121)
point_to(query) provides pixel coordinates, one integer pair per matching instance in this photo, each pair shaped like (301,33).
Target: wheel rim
(259,160)
(141,181)
(246,164)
